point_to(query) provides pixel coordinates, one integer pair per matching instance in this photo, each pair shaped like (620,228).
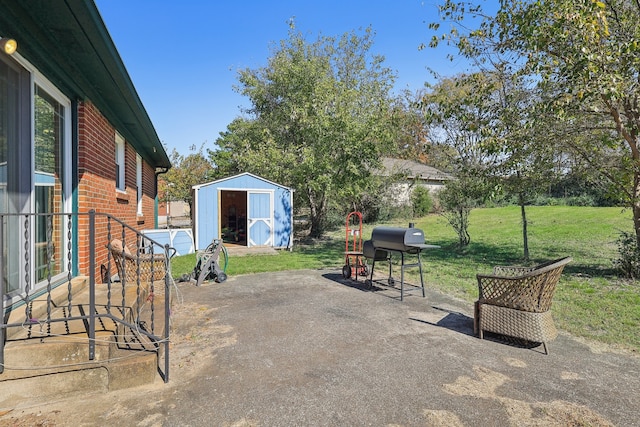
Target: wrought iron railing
(54,249)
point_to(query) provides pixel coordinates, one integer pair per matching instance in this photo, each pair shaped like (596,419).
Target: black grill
(399,239)
(386,241)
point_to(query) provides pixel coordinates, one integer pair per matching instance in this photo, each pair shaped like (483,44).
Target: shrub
(457,199)
(582,200)
(544,200)
(335,219)
(421,201)
(628,262)
(372,208)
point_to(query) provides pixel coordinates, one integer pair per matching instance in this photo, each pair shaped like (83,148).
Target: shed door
(260,219)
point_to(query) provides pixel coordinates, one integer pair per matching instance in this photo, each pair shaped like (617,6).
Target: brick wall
(97,187)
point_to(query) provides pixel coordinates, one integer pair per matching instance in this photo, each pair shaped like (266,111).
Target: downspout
(75,182)
(159,171)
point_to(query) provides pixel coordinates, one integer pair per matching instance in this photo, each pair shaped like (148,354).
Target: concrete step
(43,360)
(64,368)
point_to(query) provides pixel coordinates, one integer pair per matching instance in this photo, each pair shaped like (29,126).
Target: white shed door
(260,219)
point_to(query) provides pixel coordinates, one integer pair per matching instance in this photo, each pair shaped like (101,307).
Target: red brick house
(74,137)
(79,163)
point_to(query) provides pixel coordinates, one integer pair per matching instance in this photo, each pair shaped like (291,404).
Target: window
(120,163)
(49,137)
(139,182)
(12,124)
(35,159)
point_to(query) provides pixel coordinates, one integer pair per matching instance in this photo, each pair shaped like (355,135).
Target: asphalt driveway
(308,348)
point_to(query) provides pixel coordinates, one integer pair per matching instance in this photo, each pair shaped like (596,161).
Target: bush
(421,201)
(628,263)
(457,199)
(583,200)
(335,219)
(379,205)
(373,208)
(544,200)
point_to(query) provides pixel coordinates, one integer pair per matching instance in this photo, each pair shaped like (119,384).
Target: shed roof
(69,43)
(219,181)
(413,170)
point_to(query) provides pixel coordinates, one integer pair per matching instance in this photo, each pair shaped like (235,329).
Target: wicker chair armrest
(516,270)
(511,271)
(140,255)
(148,257)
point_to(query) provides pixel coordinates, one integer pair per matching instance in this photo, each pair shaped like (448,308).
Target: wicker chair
(152,267)
(516,301)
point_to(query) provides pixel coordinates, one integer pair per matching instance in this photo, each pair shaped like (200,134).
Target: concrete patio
(309,348)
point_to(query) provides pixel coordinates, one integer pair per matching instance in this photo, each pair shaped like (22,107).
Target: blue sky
(183,57)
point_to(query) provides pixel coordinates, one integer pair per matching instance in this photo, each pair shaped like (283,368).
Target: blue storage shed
(243,210)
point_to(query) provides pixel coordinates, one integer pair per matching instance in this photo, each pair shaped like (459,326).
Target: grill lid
(398,239)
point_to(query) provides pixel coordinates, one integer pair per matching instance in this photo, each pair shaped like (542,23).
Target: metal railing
(133,278)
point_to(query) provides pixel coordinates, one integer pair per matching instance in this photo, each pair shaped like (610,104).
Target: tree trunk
(636,206)
(317,215)
(630,135)
(465,226)
(525,236)
(317,226)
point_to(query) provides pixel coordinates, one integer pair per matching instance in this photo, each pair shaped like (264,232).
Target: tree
(321,118)
(485,117)
(527,156)
(412,142)
(585,58)
(235,146)
(457,199)
(187,171)
(457,113)
(421,201)
(457,117)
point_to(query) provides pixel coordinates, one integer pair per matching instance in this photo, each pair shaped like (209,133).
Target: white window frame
(139,182)
(120,163)
(37,78)
(44,84)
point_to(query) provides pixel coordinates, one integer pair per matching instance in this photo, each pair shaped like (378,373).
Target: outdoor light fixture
(8,45)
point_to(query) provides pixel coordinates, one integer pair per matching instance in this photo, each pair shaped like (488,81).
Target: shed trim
(198,186)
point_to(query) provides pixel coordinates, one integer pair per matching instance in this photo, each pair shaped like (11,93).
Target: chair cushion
(117,245)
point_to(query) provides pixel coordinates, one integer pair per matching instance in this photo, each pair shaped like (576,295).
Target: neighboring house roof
(413,170)
(68,42)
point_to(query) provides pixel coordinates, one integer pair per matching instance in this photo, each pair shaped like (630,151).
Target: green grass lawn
(590,301)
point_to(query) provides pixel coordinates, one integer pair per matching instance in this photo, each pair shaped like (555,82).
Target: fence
(43,253)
